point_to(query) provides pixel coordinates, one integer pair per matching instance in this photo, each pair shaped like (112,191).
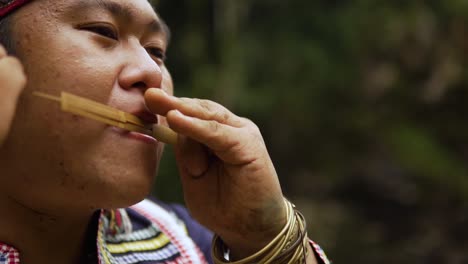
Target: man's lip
(135,135)
(147,117)
(142,137)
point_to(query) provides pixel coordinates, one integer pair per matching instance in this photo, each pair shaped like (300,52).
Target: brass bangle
(218,245)
(289,246)
(298,250)
(285,241)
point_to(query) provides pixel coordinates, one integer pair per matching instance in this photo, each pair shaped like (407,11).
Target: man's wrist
(290,244)
(243,242)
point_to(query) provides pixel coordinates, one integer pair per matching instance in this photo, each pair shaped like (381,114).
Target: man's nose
(140,71)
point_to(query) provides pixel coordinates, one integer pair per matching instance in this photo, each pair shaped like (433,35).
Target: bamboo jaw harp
(108,115)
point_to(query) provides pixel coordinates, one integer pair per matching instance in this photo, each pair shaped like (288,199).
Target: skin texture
(77,165)
(73,156)
(57,168)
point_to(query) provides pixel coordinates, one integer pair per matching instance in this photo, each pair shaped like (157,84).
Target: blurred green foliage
(362,105)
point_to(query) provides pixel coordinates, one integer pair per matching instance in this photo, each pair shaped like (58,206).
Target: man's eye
(105,31)
(157,53)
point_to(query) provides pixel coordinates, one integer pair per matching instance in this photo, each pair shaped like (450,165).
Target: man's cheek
(167,83)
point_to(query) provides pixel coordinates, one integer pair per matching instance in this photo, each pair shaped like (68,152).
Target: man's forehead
(122,8)
(8,6)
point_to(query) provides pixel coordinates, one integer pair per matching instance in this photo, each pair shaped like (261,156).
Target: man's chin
(115,175)
(119,185)
(122,196)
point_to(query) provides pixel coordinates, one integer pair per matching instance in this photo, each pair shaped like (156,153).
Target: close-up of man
(64,177)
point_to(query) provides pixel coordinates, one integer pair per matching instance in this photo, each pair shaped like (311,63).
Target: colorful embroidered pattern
(320,253)
(145,233)
(151,235)
(174,229)
(8,255)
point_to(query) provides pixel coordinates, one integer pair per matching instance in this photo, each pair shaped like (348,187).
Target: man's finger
(11,75)
(216,136)
(12,82)
(161,103)
(194,156)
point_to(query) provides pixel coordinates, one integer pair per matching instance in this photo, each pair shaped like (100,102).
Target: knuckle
(205,105)
(225,116)
(201,105)
(215,111)
(214,126)
(221,115)
(215,130)
(237,145)
(209,109)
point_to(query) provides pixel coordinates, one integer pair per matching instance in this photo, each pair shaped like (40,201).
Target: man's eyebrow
(118,10)
(109,6)
(115,9)
(158,26)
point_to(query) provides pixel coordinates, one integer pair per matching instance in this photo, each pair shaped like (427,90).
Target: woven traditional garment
(8,6)
(149,232)
(159,236)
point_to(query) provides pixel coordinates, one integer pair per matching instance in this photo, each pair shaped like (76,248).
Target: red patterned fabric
(8,255)
(8,6)
(319,253)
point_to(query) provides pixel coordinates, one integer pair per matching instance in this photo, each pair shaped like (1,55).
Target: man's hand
(12,82)
(229,181)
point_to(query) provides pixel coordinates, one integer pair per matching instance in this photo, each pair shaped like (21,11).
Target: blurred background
(362,106)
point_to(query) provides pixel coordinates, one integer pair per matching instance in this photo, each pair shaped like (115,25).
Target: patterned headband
(8,6)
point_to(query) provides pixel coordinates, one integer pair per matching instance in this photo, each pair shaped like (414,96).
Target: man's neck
(43,237)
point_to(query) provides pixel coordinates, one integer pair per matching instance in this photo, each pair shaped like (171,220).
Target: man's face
(109,51)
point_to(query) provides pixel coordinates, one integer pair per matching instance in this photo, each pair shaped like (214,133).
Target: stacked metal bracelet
(290,246)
